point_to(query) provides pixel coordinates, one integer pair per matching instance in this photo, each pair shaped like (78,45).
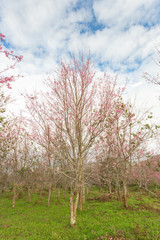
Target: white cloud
(32,19)
(123,13)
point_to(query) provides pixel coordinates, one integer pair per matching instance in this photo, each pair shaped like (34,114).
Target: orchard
(80,138)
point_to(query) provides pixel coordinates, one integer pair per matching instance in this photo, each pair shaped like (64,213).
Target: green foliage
(98,220)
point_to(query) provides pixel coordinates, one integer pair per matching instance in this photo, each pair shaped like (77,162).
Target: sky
(121,35)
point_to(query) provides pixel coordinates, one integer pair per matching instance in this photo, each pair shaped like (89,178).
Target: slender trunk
(14,195)
(84,198)
(29,194)
(110,188)
(72,220)
(49,195)
(80,198)
(125,194)
(118,193)
(81,180)
(140,186)
(15,171)
(76,204)
(73,208)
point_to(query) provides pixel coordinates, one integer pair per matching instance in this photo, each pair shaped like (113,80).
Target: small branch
(147,190)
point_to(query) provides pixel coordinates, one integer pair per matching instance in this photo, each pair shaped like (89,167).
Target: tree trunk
(140,185)
(80,198)
(29,194)
(118,193)
(84,197)
(110,188)
(125,194)
(14,196)
(73,208)
(49,195)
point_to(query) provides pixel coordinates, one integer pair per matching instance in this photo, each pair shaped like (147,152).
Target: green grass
(98,220)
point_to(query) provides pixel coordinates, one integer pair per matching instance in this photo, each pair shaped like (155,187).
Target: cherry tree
(29,160)
(16,136)
(147,171)
(77,104)
(122,139)
(5,78)
(42,134)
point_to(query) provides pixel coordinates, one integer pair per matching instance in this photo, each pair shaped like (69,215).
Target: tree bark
(49,195)
(84,197)
(125,194)
(29,194)
(73,208)
(110,188)
(80,198)
(14,196)
(118,193)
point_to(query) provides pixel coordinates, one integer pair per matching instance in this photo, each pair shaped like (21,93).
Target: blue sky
(121,35)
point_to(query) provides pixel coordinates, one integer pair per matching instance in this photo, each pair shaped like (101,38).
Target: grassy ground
(100,219)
